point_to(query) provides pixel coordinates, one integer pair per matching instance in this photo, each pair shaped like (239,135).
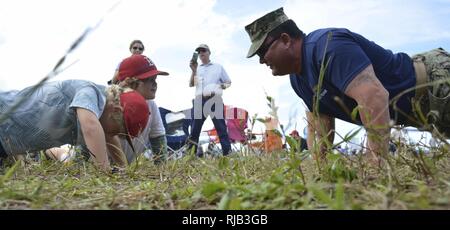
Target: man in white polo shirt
(210,79)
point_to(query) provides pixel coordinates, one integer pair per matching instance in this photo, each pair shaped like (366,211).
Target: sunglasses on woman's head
(138,48)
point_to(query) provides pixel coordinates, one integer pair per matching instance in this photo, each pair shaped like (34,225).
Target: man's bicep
(363,83)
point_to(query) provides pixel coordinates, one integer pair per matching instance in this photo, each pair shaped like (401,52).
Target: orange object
(272,141)
(236,122)
(213,135)
(257,145)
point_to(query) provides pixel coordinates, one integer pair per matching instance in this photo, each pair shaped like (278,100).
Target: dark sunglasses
(138,48)
(202,50)
(264,48)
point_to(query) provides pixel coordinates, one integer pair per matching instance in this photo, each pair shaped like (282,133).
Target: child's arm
(94,137)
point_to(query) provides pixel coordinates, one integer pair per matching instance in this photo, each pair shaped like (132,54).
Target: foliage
(282,180)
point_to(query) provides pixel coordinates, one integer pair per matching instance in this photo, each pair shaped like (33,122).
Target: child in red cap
(139,73)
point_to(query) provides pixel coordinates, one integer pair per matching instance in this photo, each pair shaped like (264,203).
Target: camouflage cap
(259,29)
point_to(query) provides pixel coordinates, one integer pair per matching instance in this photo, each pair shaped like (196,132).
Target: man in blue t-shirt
(344,71)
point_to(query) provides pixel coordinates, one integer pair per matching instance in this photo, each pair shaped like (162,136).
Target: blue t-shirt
(47,117)
(348,54)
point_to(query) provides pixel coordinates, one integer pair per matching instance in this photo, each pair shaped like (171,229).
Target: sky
(35,34)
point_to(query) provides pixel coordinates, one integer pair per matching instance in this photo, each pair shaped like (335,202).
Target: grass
(271,181)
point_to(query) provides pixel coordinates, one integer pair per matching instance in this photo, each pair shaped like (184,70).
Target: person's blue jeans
(208,108)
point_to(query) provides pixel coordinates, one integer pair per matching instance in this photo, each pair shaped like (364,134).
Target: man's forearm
(321,130)
(378,132)
(375,117)
(373,102)
(311,132)
(192,81)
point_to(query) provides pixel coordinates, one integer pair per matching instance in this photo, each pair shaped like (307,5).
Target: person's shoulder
(316,34)
(329,29)
(84,86)
(210,65)
(77,82)
(213,64)
(217,65)
(324,33)
(326,40)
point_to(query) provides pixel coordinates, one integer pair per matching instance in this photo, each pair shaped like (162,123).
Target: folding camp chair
(236,121)
(271,140)
(177,129)
(213,147)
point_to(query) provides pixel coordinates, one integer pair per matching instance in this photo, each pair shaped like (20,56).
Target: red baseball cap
(135,112)
(294,133)
(138,66)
